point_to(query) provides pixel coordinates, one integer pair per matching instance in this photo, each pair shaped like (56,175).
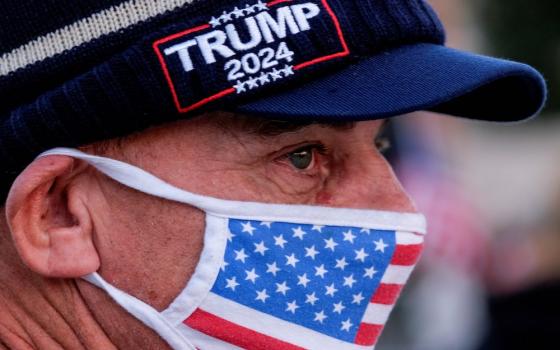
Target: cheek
(291,186)
(149,247)
(365,181)
(265,183)
(324,198)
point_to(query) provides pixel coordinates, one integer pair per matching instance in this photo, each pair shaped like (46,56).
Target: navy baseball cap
(73,73)
(346,60)
(410,78)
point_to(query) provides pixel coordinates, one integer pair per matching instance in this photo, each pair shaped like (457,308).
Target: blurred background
(490,275)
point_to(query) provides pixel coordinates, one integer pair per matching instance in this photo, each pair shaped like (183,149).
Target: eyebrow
(272,127)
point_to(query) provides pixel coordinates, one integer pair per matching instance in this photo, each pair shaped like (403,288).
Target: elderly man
(229,189)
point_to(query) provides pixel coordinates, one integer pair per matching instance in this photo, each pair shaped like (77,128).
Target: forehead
(261,130)
(224,132)
(272,127)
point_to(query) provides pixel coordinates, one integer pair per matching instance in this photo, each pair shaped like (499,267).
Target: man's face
(150,247)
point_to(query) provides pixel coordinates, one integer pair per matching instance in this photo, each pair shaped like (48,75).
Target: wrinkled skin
(66,220)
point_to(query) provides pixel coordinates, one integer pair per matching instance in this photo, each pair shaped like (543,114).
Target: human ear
(49,221)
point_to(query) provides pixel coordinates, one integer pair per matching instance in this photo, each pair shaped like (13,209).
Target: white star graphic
(251,275)
(311,252)
(311,299)
(280,241)
(247,227)
(260,248)
(291,260)
(275,74)
(369,272)
(357,298)
(232,283)
(303,280)
(349,281)
(380,246)
(341,263)
(272,268)
(249,9)
(214,22)
(240,87)
(299,233)
(263,78)
(320,317)
(229,235)
(361,255)
(224,265)
(240,255)
(291,307)
(320,271)
(261,6)
(338,307)
(365,230)
(349,237)
(252,83)
(282,288)
(330,244)
(225,17)
(317,228)
(262,296)
(331,290)
(237,12)
(288,70)
(266,223)
(346,325)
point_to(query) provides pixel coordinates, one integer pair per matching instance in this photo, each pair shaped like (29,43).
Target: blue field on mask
(321,278)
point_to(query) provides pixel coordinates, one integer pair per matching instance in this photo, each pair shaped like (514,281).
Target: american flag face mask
(277,276)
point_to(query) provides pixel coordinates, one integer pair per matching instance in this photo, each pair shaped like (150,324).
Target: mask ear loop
(143,312)
(135,178)
(147,183)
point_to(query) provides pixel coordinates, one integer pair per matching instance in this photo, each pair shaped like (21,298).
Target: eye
(302,158)
(305,158)
(383,144)
(384,137)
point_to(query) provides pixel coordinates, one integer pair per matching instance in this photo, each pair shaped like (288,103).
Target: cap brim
(411,78)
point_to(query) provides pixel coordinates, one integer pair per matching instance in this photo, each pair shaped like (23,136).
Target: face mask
(277,276)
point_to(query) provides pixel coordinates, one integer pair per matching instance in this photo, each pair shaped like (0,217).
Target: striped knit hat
(73,72)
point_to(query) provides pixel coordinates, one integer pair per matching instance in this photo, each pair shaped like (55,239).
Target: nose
(367,181)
